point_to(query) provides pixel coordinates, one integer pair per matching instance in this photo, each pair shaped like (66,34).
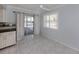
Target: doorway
(28,25)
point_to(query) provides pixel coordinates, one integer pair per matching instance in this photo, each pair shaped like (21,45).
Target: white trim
(76,49)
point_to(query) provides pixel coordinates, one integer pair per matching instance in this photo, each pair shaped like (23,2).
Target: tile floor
(38,45)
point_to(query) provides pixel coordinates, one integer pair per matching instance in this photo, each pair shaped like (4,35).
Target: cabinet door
(2,40)
(7,39)
(10,38)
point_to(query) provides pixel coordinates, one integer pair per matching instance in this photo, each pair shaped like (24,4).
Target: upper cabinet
(1,14)
(7,15)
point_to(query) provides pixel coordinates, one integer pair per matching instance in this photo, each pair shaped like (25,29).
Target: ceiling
(36,7)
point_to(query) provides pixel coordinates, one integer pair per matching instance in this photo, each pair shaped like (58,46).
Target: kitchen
(7,28)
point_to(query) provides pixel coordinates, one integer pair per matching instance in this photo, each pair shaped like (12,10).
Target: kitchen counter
(7,36)
(7,29)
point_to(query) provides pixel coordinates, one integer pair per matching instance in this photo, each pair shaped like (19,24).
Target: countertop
(7,29)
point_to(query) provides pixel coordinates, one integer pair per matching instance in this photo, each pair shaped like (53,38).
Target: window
(51,21)
(28,21)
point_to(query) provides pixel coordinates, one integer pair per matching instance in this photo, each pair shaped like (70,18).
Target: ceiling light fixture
(42,7)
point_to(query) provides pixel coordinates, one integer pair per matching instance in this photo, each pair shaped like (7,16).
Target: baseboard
(76,49)
(7,46)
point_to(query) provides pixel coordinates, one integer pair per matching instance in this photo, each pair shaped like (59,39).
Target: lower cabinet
(7,39)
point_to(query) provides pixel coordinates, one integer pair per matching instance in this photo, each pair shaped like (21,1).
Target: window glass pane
(29,19)
(48,18)
(53,22)
(47,25)
(51,18)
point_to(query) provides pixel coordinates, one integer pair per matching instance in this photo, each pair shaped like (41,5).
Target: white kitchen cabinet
(3,15)
(7,39)
(7,15)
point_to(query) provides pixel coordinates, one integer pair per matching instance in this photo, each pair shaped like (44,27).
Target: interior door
(29,25)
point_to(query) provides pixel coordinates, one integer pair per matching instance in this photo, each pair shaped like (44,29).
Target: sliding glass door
(28,25)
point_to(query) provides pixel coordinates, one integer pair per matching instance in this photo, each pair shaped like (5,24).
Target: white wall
(68,32)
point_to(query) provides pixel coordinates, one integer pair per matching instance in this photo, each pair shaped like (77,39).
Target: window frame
(54,23)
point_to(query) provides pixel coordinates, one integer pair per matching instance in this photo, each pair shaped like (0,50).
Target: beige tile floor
(38,45)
